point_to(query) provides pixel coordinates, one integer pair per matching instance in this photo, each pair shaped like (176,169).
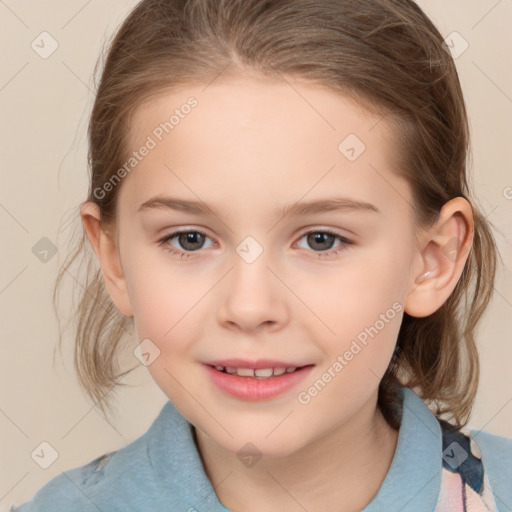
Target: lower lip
(251,388)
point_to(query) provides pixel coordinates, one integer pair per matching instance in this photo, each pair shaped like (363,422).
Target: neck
(345,468)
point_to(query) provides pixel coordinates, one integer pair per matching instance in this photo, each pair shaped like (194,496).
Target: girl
(279,205)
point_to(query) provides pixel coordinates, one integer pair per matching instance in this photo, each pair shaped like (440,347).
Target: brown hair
(385,54)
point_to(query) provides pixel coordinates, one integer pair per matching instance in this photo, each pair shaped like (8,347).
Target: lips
(256,380)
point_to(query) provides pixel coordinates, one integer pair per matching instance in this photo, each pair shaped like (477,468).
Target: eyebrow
(296,209)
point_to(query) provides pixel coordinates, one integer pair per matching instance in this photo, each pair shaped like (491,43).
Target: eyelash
(187,254)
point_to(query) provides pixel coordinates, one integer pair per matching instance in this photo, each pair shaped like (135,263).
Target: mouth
(257,373)
(260,380)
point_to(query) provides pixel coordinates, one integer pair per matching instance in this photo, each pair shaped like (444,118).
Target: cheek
(365,285)
(161,294)
(359,310)
(168,305)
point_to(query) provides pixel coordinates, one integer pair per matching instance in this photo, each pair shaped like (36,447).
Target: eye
(322,242)
(190,240)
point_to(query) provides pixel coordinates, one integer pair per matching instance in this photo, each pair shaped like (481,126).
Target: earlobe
(445,250)
(106,250)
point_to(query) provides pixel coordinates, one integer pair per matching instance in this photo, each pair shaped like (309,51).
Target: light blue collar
(414,478)
(411,484)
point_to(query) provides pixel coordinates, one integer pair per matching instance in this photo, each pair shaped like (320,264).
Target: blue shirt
(432,469)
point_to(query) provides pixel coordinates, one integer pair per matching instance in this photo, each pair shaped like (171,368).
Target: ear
(444,250)
(105,247)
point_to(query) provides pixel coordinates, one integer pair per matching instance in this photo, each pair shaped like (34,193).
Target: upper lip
(259,363)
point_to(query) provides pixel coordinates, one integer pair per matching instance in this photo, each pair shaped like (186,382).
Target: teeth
(245,372)
(263,373)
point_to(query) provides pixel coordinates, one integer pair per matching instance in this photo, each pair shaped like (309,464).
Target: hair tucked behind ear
(387,55)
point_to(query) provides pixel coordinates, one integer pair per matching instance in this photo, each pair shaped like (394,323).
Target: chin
(258,446)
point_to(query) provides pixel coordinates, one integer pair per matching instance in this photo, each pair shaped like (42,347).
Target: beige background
(44,105)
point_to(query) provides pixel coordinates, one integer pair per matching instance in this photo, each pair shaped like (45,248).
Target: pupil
(187,240)
(319,238)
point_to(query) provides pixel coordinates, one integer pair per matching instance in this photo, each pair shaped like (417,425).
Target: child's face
(247,150)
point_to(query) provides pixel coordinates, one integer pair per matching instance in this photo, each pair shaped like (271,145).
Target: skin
(250,147)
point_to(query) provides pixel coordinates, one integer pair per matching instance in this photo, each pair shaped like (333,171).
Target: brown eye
(191,241)
(322,242)
(187,242)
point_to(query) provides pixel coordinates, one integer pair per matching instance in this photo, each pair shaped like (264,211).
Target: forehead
(286,138)
(295,107)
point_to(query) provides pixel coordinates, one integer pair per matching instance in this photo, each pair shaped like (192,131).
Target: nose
(253,297)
